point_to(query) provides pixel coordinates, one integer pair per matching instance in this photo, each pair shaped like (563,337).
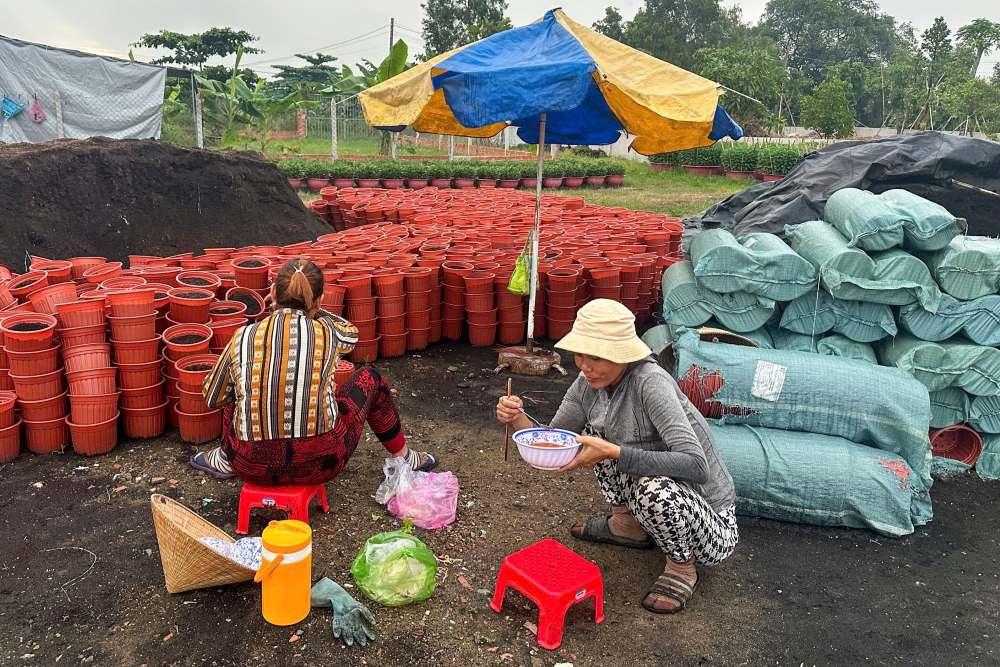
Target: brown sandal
(596,529)
(669,586)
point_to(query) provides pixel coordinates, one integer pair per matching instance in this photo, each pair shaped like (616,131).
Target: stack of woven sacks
(886,279)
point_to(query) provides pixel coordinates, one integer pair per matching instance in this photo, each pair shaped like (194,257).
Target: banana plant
(263,110)
(226,102)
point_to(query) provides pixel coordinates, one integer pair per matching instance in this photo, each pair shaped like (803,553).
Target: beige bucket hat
(606,329)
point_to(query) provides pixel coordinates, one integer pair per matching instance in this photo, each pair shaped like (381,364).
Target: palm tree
(982,36)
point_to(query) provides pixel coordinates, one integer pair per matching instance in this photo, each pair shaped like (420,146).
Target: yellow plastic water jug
(285,571)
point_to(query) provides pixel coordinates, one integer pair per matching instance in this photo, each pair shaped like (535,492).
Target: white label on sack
(749,242)
(768,380)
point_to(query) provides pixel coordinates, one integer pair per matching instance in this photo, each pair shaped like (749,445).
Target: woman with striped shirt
(284,419)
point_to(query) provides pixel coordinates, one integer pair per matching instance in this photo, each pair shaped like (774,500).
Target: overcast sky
(350,30)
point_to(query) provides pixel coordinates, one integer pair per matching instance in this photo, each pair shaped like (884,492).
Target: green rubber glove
(352,622)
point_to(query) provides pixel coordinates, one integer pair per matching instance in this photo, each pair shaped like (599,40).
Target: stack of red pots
(391,312)
(137,355)
(480,308)
(510,312)
(423,306)
(453,298)
(32,357)
(562,287)
(360,310)
(10,427)
(186,362)
(93,387)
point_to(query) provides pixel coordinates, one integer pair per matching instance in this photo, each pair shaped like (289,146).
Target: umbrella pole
(535,233)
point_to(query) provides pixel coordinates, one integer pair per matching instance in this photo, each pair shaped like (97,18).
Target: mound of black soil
(117,198)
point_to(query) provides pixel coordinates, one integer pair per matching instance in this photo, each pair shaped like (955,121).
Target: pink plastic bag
(429,499)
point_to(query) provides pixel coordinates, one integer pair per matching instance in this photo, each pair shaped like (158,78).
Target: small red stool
(292,499)
(555,578)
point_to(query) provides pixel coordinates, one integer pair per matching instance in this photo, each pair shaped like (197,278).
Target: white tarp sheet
(82,95)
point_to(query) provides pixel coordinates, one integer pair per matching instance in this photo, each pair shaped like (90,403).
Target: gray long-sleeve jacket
(659,430)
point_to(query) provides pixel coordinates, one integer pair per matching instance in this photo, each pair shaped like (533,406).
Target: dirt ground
(790,594)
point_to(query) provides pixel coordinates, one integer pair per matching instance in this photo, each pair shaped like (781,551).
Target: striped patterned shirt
(280,374)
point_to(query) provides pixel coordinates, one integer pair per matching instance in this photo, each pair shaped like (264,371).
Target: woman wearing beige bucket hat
(652,452)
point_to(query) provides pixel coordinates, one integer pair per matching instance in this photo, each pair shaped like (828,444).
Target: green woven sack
(686,303)
(816,314)
(832,345)
(893,277)
(819,479)
(978,319)
(968,268)
(395,568)
(952,363)
(799,391)
(759,264)
(949,407)
(984,414)
(865,219)
(988,465)
(926,224)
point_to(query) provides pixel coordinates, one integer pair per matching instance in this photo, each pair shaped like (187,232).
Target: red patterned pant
(365,398)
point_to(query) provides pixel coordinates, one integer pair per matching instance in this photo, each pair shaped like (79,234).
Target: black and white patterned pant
(674,515)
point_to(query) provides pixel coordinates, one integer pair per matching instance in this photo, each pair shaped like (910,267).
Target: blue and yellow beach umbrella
(590,88)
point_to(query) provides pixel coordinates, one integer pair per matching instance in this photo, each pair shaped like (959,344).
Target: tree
(221,73)
(936,41)
(828,110)
(306,78)
(448,24)
(611,25)
(756,71)
(982,36)
(195,49)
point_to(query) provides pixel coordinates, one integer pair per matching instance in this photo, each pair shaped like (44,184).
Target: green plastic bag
(520,280)
(395,568)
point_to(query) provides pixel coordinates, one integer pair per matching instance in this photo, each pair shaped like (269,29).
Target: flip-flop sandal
(596,529)
(198,462)
(428,464)
(669,586)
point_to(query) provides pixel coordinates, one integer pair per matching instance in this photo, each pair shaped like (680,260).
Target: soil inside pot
(199,367)
(187,339)
(253,308)
(28,326)
(223,311)
(252,264)
(196,282)
(190,295)
(161,295)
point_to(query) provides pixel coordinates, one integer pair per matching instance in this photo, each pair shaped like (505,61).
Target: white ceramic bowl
(546,458)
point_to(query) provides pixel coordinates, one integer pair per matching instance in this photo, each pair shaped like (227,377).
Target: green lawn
(676,193)
(321,146)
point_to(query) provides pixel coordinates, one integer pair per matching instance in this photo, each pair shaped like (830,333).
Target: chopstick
(506,427)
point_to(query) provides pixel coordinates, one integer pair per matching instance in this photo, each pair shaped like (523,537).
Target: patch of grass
(367,146)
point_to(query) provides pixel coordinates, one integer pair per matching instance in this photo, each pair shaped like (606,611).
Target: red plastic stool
(292,499)
(555,578)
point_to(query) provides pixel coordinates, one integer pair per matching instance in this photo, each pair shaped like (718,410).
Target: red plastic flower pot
(562,279)
(192,370)
(28,332)
(418,339)
(92,409)
(136,351)
(482,335)
(482,318)
(10,442)
(123,283)
(452,329)
(129,304)
(143,397)
(94,439)
(46,299)
(392,345)
(479,302)
(136,376)
(455,271)
(183,340)
(23,285)
(392,325)
(190,304)
(95,275)
(46,437)
(220,311)
(192,402)
(391,306)
(45,409)
(389,284)
(560,299)
(144,423)
(38,387)
(366,328)
(199,428)
(366,351)
(418,300)
(87,357)
(333,297)
(513,332)
(93,382)
(7,416)
(222,332)
(418,279)
(77,336)
(357,286)
(558,328)
(129,329)
(80,313)
(6,384)
(38,362)
(419,319)
(508,300)
(360,309)
(200,279)
(479,282)
(958,442)
(251,271)
(57,271)
(454,295)
(173,420)
(256,308)
(605,277)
